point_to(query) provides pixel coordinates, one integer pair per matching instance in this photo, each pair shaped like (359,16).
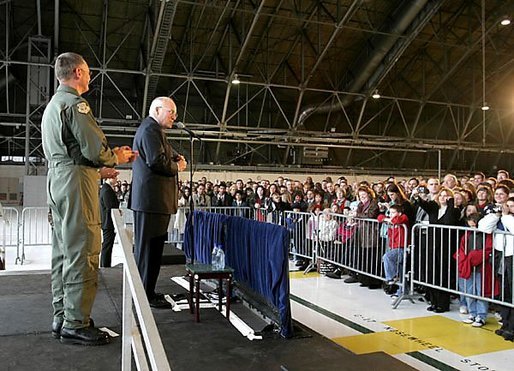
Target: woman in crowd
(318,202)
(475,271)
(396,196)
(499,219)
(484,197)
(460,203)
(368,238)
(340,200)
(441,245)
(259,202)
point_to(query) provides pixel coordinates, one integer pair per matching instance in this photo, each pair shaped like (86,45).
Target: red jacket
(467,260)
(396,232)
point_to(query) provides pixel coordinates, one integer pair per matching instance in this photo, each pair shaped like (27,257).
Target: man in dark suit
(154,193)
(222,198)
(108,201)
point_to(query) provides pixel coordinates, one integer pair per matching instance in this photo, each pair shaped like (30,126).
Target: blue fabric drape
(258,253)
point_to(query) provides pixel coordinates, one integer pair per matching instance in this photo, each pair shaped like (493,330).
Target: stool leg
(197,314)
(229,294)
(219,293)
(191,291)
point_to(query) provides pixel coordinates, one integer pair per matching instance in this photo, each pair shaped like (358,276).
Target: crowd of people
(485,204)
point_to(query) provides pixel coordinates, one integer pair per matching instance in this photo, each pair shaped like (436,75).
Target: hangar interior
(366,86)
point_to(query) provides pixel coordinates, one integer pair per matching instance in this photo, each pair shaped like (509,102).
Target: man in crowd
(222,198)
(201,198)
(77,154)
(433,187)
(108,201)
(450,181)
(154,194)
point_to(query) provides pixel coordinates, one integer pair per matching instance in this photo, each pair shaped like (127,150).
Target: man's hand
(124,154)
(181,163)
(107,172)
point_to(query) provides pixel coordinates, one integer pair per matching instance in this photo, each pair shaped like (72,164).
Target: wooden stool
(198,272)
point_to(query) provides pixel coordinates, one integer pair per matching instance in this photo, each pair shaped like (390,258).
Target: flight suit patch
(83,107)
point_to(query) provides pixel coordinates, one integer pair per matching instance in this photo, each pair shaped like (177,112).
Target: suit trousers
(150,232)
(109,236)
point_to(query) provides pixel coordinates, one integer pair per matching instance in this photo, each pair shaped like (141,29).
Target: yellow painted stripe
(299,274)
(387,342)
(454,336)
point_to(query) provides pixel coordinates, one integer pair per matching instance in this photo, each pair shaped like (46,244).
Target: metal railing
(302,244)
(178,221)
(442,255)
(35,229)
(9,232)
(140,338)
(356,244)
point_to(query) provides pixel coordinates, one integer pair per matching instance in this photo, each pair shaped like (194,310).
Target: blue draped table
(258,253)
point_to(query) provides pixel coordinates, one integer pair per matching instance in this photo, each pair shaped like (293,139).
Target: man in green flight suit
(77,154)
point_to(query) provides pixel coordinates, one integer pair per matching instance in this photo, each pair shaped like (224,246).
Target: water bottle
(221,258)
(215,257)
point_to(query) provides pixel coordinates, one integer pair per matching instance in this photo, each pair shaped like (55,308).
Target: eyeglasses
(174,113)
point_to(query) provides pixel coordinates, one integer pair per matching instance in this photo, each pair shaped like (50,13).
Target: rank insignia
(83,107)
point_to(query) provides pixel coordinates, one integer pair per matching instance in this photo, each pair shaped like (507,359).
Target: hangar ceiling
(307,72)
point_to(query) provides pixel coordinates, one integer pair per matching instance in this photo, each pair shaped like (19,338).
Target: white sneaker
(463,309)
(469,320)
(479,322)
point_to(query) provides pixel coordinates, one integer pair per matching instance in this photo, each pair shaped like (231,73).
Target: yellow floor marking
(299,274)
(387,342)
(452,335)
(432,332)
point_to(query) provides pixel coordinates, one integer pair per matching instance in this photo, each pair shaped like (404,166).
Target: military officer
(77,154)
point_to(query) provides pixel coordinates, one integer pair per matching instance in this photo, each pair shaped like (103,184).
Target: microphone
(182,126)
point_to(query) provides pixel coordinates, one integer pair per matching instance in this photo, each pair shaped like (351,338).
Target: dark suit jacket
(227,200)
(108,201)
(154,173)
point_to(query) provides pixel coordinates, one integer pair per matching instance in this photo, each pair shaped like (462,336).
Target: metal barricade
(357,245)
(36,229)
(303,240)
(9,233)
(178,221)
(364,246)
(463,261)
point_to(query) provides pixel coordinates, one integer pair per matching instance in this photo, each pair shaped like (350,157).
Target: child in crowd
(475,271)
(393,258)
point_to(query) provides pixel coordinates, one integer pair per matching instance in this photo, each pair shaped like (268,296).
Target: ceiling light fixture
(505,20)
(485,107)
(375,95)
(236,80)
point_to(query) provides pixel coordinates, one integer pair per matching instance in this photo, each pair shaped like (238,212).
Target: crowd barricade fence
(303,243)
(462,261)
(9,232)
(35,229)
(358,245)
(178,221)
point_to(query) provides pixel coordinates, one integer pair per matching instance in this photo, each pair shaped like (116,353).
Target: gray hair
(156,103)
(66,63)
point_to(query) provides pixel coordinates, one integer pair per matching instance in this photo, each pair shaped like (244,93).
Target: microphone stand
(192,137)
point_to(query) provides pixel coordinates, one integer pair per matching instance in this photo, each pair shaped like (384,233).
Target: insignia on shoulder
(83,107)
